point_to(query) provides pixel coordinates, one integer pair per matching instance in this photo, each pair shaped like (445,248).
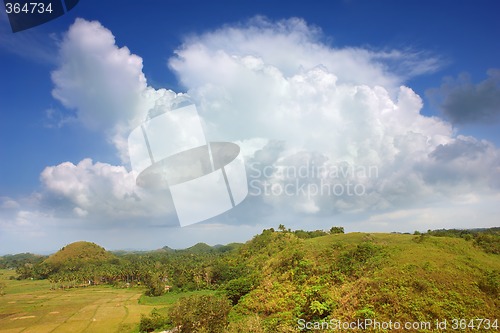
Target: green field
(30,306)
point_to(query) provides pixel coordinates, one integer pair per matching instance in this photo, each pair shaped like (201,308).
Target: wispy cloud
(30,44)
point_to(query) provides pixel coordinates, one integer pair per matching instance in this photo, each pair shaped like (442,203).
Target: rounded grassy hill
(80,252)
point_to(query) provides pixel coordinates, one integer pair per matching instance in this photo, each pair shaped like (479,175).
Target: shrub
(490,283)
(237,288)
(365,313)
(153,322)
(155,285)
(200,313)
(337,230)
(252,324)
(354,261)
(489,242)
(316,304)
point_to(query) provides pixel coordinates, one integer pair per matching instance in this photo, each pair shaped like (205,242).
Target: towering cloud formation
(315,121)
(330,108)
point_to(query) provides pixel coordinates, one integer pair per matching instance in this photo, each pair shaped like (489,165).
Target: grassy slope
(388,277)
(434,278)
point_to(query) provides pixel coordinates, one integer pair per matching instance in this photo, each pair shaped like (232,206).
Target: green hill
(203,248)
(358,276)
(228,247)
(167,249)
(20,259)
(199,248)
(84,252)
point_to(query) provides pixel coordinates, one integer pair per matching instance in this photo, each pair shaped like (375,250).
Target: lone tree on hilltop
(336,230)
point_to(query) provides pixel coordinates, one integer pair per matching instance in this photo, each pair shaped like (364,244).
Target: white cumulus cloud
(103,83)
(324,130)
(97,78)
(100,190)
(328,108)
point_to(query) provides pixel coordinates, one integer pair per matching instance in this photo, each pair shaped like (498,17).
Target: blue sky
(306,82)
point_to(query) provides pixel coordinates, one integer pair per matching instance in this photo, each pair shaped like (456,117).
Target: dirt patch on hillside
(5,315)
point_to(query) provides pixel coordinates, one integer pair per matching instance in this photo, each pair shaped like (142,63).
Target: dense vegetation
(12,261)
(281,277)
(487,239)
